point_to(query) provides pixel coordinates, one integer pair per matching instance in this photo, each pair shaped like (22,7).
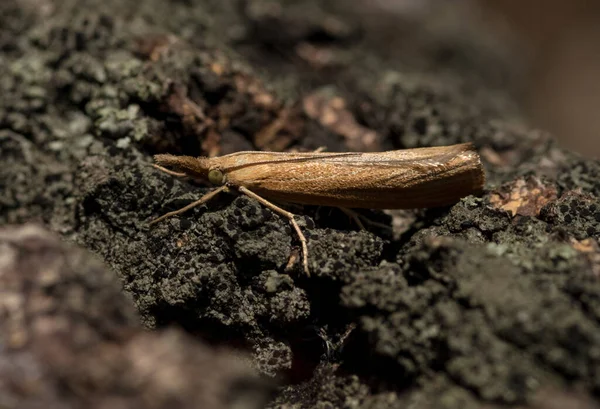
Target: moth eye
(216,177)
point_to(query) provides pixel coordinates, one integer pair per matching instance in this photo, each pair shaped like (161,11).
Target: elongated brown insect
(402,179)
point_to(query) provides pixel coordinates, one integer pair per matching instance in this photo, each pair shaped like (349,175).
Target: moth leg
(354,216)
(169,171)
(198,202)
(290,217)
(291,261)
(357,217)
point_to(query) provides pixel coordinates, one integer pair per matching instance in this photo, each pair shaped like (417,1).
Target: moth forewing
(410,178)
(426,177)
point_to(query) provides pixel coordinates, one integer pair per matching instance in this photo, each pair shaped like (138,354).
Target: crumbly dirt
(492,302)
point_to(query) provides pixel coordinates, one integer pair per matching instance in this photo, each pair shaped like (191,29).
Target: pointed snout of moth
(195,167)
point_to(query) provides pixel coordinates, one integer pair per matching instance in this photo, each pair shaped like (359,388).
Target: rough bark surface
(492,301)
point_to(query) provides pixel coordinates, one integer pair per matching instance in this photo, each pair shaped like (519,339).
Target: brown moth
(401,179)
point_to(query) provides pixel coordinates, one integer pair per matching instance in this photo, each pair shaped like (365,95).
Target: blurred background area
(535,60)
(560,41)
(544,53)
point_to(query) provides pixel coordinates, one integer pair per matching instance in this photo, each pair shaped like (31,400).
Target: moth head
(193,167)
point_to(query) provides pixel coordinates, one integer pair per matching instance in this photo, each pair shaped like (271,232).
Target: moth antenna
(170,172)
